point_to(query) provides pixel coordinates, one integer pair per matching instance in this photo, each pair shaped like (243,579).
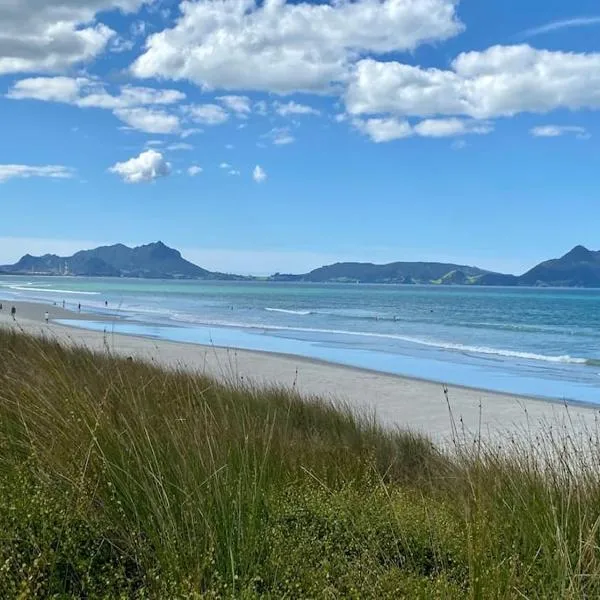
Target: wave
(464,348)
(53,291)
(289,312)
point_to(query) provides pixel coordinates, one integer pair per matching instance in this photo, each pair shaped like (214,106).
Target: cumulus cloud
(148,120)
(89,93)
(237,104)
(384,129)
(130,104)
(207,114)
(52,35)
(559,130)
(294,108)
(148,166)
(280,136)
(258,174)
(282,47)
(451,127)
(387,129)
(11,171)
(194,170)
(500,81)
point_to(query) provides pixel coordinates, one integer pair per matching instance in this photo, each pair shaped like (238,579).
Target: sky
(280,136)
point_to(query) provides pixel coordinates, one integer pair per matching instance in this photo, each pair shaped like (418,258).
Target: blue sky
(281,136)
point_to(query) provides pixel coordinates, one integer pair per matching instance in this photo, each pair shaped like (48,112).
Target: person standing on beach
(63,303)
(46,317)
(13,312)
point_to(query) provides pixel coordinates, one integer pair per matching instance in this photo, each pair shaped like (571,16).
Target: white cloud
(119,44)
(155,143)
(89,93)
(49,89)
(207,114)
(53,35)
(500,81)
(138,29)
(562,24)
(458,145)
(230,170)
(280,136)
(148,120)
(180,146)
(559,130)
(26,171)
(238,104)
(194,170)
(293,108)
(284,47)
(148,166)
(129,105)
(258,174)
(387,129)
(186,133)
(451,127)
(260,108)
(384,129)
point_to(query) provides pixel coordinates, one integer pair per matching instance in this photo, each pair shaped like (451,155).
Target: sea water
(542,342)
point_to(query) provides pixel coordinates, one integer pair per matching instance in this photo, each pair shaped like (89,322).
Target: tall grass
(118,479)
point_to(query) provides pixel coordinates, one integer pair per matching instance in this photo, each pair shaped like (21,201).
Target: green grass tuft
(121,480)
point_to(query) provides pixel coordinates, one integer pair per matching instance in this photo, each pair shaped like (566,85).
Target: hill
(151,260)
(397,272)
(578,268)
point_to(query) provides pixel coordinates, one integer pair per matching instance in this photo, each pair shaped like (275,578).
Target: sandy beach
(397,401)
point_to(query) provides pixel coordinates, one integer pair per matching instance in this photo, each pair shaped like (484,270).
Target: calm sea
(544,342)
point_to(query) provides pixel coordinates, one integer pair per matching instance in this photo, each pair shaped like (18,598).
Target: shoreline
(395,400)
(323,362)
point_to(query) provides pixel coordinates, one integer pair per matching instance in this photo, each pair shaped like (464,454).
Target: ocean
(540,342)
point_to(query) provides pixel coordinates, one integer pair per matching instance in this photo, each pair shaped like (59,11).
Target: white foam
(289,312)
(50,290)
(412,340)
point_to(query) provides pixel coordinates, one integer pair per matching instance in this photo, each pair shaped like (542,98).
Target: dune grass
(121,480)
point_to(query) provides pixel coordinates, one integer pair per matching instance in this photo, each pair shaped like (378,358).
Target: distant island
(578,268)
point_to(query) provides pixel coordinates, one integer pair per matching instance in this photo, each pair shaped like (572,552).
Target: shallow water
(544,342)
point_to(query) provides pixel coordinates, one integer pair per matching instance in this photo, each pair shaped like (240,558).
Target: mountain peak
(579,254)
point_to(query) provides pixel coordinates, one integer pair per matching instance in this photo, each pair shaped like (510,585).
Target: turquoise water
(544,342)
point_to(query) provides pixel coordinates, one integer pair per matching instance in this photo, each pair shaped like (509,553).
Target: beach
(396,401)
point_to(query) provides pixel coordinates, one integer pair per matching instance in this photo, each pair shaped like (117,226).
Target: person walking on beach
(13,312)
(63,303)
(46,317)
(79,307)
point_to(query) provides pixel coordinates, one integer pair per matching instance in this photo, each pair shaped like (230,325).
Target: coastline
(398,401)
